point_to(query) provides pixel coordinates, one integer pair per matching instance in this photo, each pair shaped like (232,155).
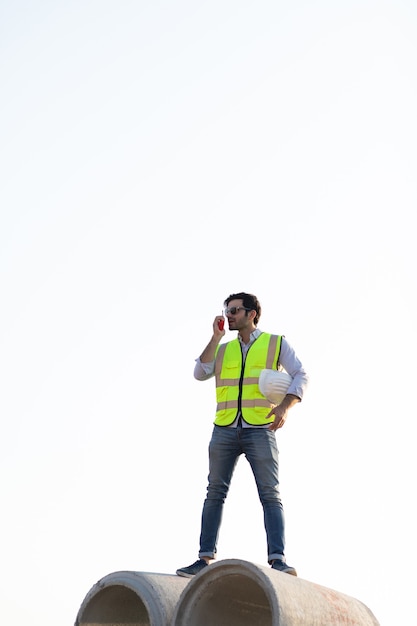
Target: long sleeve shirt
(287,360)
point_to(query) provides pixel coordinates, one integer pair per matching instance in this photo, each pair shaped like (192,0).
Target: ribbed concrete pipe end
(133,598)
(238,593)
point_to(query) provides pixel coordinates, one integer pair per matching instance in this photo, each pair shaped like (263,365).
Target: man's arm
(292,364)
(209,351)
(281,411)
(204,367)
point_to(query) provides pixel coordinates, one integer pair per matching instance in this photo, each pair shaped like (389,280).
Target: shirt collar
(254,335)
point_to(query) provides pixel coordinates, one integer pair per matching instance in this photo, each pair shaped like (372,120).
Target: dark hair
(249,301)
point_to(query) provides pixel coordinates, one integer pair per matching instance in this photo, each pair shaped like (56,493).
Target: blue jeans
(260,448)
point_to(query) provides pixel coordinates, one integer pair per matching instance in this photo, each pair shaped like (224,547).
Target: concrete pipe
(134,598)
(238,593)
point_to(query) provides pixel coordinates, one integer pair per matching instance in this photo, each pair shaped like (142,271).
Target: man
(245,422)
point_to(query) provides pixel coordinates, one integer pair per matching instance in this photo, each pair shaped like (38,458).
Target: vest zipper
(242,376)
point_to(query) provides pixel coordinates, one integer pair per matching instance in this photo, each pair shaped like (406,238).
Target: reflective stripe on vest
(237,387)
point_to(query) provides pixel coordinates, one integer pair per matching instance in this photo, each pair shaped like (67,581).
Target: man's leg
(261,451)
(224,451)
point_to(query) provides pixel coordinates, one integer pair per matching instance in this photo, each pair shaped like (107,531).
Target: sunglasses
(232,310)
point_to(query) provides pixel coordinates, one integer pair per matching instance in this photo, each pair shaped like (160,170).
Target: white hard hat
(274,385)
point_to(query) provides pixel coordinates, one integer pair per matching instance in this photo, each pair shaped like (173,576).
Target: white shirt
(287,360)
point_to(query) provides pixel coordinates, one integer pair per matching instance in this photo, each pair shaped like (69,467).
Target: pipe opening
(115,606)
(227,600)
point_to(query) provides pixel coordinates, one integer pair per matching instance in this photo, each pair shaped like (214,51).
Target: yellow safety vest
(237,386)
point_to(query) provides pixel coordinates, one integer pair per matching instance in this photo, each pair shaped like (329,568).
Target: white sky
(155,157)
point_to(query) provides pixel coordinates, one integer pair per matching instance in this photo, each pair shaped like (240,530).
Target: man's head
(240,308)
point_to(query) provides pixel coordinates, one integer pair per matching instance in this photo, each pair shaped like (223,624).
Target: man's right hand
(218,327)
(209,351)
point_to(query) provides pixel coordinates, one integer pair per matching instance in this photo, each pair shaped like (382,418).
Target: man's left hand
(280,415)
(280,411)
